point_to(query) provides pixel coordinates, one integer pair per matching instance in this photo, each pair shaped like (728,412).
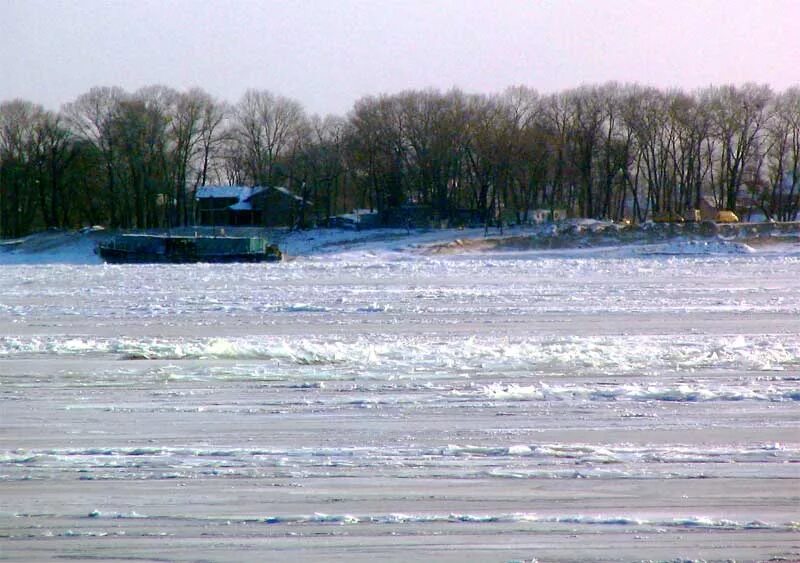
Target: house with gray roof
(260,206)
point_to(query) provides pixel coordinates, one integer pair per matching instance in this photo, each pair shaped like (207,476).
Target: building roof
(287,192)
(239,192)
(242,193)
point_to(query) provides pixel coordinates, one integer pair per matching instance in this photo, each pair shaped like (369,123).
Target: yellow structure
(726,216)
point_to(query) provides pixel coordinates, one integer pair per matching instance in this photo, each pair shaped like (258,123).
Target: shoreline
(78,246)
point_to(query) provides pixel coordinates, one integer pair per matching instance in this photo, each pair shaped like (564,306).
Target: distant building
(539,216)
(359,219)
(261,206)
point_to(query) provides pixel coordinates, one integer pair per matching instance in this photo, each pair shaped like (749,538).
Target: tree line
(611,151)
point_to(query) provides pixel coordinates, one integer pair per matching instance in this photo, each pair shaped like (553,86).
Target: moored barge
(170,249)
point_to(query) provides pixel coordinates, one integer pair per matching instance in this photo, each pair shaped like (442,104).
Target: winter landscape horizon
(602,364)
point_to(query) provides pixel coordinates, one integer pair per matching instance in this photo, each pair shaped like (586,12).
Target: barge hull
(155,249)
(116,256)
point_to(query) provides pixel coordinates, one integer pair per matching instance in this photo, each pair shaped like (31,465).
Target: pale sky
(328,53)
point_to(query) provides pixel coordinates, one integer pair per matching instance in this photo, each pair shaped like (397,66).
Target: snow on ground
(390,395)
(53,247)
(579,237)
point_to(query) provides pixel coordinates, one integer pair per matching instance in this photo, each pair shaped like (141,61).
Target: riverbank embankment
(78,246)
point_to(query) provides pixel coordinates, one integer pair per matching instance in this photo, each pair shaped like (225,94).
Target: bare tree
(91,116)
(376,152)
(737,117)
(212,138)
(318,166)
(55,152)
(779,197)
(19,168)
(194,125)
(264,127)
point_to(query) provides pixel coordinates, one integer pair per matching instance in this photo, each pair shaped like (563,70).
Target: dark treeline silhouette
(135,160)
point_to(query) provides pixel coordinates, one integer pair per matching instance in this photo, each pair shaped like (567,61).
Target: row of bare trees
(135,160)
(106,158)
(607,151)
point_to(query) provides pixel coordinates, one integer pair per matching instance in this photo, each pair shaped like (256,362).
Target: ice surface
(387,396)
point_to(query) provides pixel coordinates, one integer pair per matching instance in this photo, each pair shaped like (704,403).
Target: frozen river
(616,405)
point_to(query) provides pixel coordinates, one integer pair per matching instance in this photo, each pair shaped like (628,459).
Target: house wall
(273,208)
(214,211)
(242,218)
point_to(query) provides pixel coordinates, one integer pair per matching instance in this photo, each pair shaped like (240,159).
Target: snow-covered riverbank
(77,247)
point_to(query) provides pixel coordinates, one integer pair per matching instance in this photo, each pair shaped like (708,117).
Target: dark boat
(169,249)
